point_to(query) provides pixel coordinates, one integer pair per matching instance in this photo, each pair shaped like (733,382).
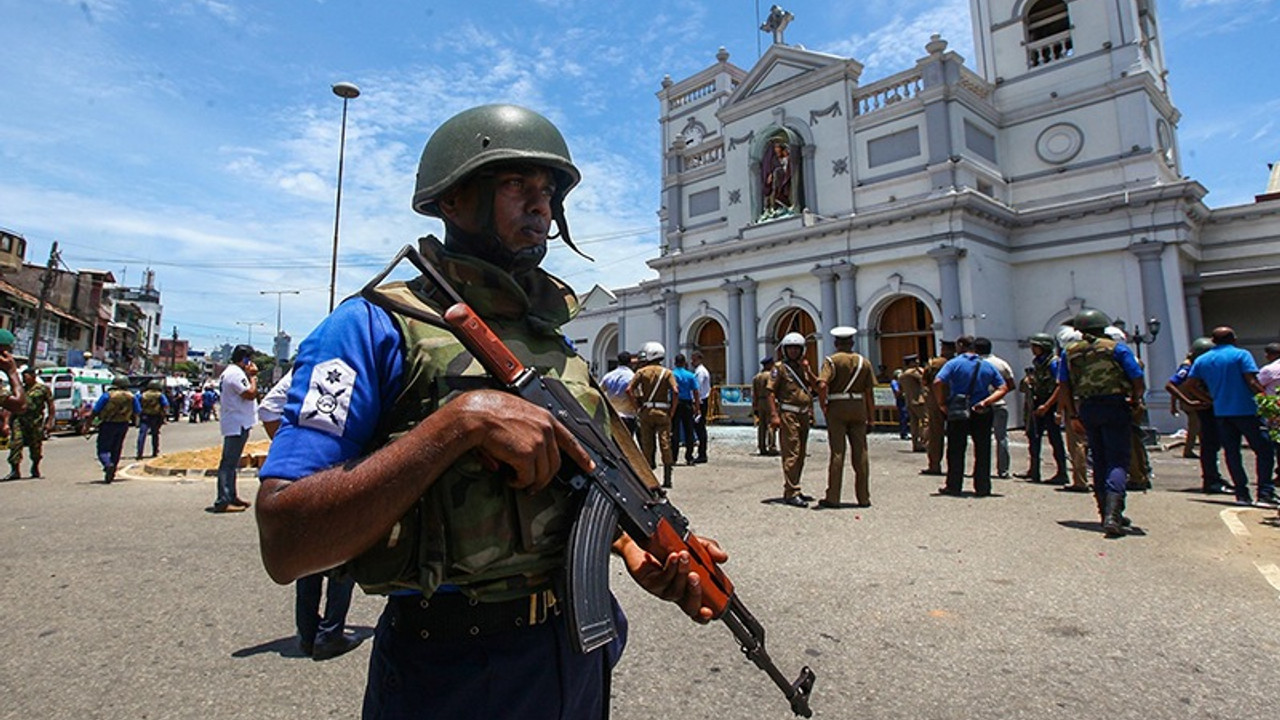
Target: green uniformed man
(791,411)
(31,425)
(13,396)
(936,429)
(845,392)
(911,385)
(654,388)
(766,433)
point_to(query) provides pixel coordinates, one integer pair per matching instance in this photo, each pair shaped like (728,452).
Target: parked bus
(75,390)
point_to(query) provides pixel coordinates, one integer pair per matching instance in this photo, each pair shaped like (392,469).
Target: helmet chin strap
(486,244)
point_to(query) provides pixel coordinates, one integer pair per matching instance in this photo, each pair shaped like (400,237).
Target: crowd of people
(1082,392)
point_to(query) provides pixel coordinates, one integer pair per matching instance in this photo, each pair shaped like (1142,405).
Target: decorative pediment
(781,64)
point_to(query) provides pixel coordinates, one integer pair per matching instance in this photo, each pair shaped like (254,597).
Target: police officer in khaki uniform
(791,411)
(936,430)
(845,392)
(766,434)
(911,384)
(654,388)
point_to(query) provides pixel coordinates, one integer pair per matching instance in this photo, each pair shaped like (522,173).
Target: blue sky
(200,137)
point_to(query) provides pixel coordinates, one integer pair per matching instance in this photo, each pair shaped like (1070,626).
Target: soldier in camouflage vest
(155,407)
(116,410)
(1042,409)
(31,425)
(396,455)
(1102,383)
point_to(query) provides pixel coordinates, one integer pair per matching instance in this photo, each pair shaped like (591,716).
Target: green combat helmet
(1200,346)
(1042,340)
(494,135)
(121,382)
(1092,322)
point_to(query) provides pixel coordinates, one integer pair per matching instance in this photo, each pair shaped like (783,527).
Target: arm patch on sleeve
(328,397)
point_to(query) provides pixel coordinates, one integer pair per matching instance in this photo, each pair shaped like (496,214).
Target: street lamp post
(347,91)
(1141,336)
(250,325)
(280,296)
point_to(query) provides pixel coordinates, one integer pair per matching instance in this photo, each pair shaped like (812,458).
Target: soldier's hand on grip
(520,435)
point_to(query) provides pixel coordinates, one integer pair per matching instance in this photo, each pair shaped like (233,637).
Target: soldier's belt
(454,616)
(845,396)
(658,405)
(793,408)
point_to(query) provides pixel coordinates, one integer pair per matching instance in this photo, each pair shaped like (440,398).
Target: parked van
(75,390)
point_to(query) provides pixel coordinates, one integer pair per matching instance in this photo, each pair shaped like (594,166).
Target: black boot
(1112,516)
(35,469)
(109,474)
(666,476)
(13,473)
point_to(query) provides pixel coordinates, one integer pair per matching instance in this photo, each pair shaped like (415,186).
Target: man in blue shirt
(1100,384)
(1227,376)
(978,380)
(685,429)
(457,519)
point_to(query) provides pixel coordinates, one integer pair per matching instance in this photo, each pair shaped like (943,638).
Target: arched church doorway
(606,355)
(905,328)
(797,320)
(709,339)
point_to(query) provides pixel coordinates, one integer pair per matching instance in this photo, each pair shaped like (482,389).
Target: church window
(1048,28)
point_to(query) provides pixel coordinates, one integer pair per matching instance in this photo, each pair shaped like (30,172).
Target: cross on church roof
(777,23)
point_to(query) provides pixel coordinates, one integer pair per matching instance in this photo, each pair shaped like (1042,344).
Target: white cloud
(896,45)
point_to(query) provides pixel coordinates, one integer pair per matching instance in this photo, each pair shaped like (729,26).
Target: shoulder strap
(794,376)
(652,393)
(856,372)
(977,368)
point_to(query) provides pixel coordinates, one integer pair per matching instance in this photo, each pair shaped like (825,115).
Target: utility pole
(46,283)
(173,350)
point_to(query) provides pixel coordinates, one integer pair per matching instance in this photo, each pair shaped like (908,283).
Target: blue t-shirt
(958,374)
(348,370)
(1181,374)
(1222,371)
(1122,354)
(686,383)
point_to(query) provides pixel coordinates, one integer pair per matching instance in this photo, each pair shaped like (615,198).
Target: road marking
(1233,523)
(1270,572)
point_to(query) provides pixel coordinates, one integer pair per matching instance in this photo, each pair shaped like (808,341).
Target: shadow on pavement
(288,646)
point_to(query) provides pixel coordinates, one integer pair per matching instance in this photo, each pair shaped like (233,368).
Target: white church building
(993,199)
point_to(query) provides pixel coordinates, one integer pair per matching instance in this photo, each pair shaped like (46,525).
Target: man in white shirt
(238,387)
(703,376)
(615,384)
(1269,374)
(999,410)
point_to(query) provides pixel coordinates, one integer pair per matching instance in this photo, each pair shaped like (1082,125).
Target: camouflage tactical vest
(152,403)
(119,407)
(1042,380)
(1094,370)
(470,529)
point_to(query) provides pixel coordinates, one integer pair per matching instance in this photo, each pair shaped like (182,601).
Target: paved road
(129,601)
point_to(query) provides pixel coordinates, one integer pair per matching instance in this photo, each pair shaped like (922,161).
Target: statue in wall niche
(777,172)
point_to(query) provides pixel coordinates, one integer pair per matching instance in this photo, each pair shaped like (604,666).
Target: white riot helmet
(792,338)
(651,351)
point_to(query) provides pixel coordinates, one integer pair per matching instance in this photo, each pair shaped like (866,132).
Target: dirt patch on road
(208,458)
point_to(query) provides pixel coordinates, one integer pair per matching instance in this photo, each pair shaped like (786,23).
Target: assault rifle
(620,492)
